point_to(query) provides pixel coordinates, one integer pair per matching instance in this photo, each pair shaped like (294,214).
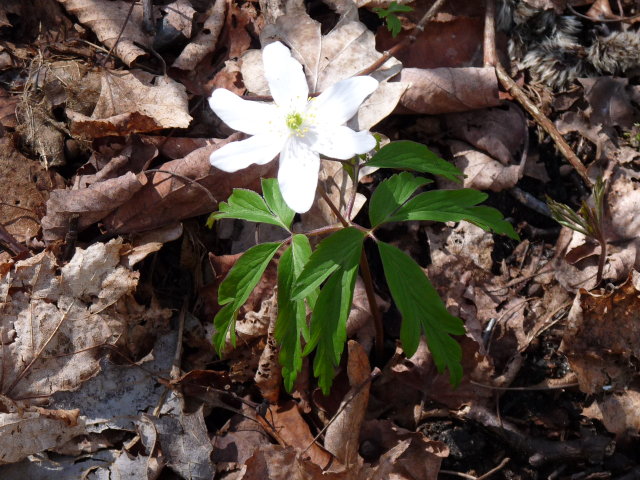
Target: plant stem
(366,278)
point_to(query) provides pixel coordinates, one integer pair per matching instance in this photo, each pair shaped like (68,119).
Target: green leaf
(292,315)
(408,155)
(453,206)
(225,324)
(235,289)
(247,205)
(391,194)
(334,252)
(394,25)
(275,202)
(422,311)
(329,324)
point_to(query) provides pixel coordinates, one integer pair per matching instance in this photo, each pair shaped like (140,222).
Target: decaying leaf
(619,412)
(107,19)
(132,102)
(602,336)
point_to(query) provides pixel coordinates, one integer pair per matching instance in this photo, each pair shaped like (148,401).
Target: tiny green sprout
(587,220)
(389,16)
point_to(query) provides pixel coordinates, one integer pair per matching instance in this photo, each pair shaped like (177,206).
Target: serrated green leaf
(334,252)
(329,325)
(453,206)
(408,155)
(275,202)
(291,322)
(395,7)
(394,25)
(225,324)
(391,194)
(235,289)
(422,311)
(247,205)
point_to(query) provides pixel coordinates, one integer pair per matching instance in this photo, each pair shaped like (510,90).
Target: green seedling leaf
(393,23)
(291,322)
(275,202)
(247,205)
(235,289)
(453,206)
(333,253)
(391,194)
(422,311)
(407,155)
(329,324)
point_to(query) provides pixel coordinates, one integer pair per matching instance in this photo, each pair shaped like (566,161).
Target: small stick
(491,59)
(406,41)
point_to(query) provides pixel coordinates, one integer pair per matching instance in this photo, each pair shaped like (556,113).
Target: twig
(516,92)
(406,41)
(604,20)
(124,25)
(495,469)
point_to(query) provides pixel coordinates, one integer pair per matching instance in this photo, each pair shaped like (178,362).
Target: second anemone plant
(315,286)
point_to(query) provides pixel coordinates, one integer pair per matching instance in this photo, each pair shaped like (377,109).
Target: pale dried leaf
(205,41)
(133,102)
(26,433)
(106,18)
(179,15)
(619,413)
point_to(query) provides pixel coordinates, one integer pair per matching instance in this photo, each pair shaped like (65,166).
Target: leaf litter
(101,377)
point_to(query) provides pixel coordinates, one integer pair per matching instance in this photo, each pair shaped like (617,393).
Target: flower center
(295,123)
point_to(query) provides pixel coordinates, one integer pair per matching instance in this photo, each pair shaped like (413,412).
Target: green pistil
(294,122)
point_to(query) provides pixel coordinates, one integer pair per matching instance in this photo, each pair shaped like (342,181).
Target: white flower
(296,127)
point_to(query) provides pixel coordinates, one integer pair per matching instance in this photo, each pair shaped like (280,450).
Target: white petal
(340,142)
(240,114)
(286,79)
(235,156)
(298,175)
(341,101)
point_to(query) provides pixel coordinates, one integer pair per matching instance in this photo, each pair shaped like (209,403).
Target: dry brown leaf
(90,204)
(179,16)
(166,199)
(22,205)
(602,337)
(290,429)
(619,413)
(481,171)
(107,18)
(447,90)
(133,102)
(609,102)
(205,41)
(342,437)
(7,110)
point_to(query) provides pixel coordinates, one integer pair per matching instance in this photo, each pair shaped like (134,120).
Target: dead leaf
(447,90)
(107,19)
(290,429)
(131,102)
(8,109)
(26,433)
(609,102)
(205,41)
(602,337)
(342,437)
(619,414)
(179,17)
(91,204)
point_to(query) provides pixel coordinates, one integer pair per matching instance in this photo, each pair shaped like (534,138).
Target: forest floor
(110,275)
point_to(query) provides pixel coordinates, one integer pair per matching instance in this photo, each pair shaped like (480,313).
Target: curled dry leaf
(602,338)
(447,90)
(343,434)
(107,18)
(132,102)
(90,204)
(205,41)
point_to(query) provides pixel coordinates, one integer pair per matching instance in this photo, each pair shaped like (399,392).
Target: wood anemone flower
(295,126)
